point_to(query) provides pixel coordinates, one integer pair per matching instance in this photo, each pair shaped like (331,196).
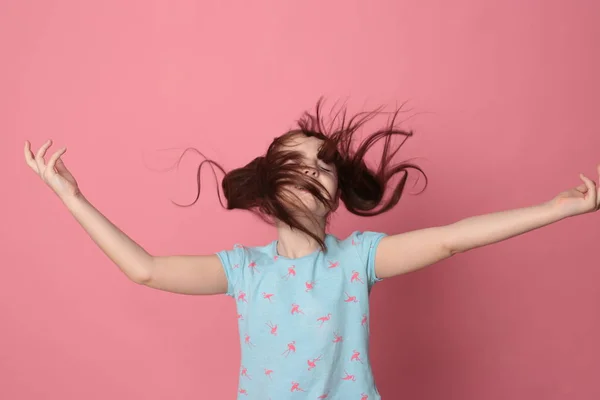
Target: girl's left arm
(406,252)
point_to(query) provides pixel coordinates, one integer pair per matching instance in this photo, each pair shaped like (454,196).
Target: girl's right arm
(179,274)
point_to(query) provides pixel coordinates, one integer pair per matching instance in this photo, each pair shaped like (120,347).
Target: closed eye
(323,165)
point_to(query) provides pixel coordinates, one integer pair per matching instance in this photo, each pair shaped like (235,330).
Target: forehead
(304,144)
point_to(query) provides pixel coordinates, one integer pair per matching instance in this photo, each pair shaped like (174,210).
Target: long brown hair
(262,186)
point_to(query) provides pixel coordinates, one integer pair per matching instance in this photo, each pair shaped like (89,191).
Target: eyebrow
(305,156)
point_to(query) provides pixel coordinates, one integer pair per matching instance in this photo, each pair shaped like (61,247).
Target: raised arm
(406,252)
(180,274)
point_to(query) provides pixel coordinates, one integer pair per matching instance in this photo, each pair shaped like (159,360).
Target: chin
(303,198)
(310,205)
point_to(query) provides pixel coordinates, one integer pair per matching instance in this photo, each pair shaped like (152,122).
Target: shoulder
(244,254)
(240,259)
(359,248)
(356,237)
(360,241)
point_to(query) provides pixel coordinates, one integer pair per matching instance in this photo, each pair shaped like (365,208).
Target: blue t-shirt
(304,322)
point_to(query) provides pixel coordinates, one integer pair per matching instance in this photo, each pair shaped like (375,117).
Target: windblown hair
(262,186)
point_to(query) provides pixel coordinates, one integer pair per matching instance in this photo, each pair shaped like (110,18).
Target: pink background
(507,92)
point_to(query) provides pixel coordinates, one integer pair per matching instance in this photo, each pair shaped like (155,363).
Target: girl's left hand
(582,199)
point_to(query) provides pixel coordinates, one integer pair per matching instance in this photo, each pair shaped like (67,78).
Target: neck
(295,243)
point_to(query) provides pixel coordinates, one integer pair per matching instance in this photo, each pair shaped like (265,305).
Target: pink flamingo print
(267,296)
(323,396)
(348,377)
(350,299)
(364,396)
(273,328)
(240,317)
(296,387)
(337,338)
(354,242)
(252,266)
(355,356)
(243,391)
(333,264)
(236,266)
(248,341)
(244,373)
(242,296)
(355,277)
(268,373)
(291,348)
(296,309)
(363,322)
(291,272)
(324,319)
(275,257)
(313,363)
(309,286)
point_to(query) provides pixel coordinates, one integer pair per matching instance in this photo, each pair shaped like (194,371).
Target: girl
(302,299)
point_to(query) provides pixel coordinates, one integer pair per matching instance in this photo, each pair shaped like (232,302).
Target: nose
(311,171)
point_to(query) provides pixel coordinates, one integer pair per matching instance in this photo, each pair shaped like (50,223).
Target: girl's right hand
(55,173)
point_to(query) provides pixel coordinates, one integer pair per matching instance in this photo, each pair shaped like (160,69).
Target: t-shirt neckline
(274,252)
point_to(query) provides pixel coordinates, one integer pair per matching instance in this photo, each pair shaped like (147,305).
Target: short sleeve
(233,262)
(365,243)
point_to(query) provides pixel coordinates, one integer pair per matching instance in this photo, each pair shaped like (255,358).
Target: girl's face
(325,173)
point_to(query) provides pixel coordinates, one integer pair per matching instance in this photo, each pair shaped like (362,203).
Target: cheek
(332,185)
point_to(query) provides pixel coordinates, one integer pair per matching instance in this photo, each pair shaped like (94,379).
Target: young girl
(303,299)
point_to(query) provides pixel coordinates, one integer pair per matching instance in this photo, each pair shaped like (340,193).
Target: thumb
(61,168)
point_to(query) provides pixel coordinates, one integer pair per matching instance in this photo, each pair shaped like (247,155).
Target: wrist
(556,210)
(73,200)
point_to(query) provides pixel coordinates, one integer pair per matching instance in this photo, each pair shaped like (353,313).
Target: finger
(60,165)
(591,185)
(39,156)
(62,169)
(598,192)
(29,157)
(577,193)
(582,188)
(52,160)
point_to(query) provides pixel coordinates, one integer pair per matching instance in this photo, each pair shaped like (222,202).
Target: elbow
(140,280)
(450,251)
(448,242)
(143,274)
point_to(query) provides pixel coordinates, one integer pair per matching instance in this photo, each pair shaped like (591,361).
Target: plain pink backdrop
(506,94)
